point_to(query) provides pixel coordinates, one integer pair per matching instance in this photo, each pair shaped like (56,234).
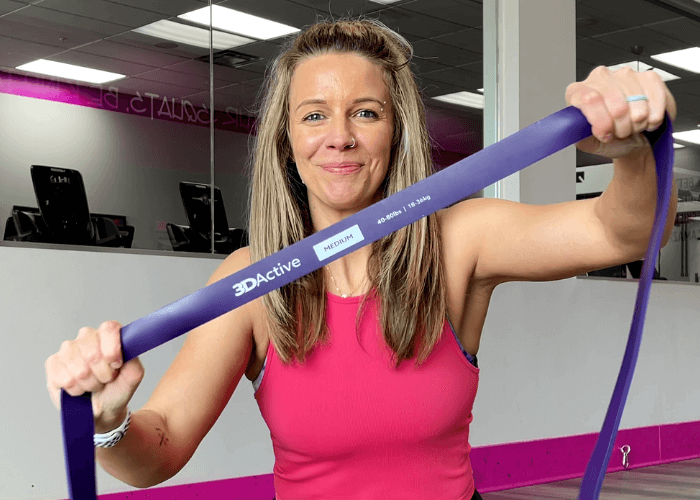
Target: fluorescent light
(69,71)
(191,35)
(665,76)
(463,98)
(688,59)
(239,22)
(480,90)
(688,136)
(678,146)
(384,2)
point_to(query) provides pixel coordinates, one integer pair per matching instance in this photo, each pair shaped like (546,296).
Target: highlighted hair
(405,267)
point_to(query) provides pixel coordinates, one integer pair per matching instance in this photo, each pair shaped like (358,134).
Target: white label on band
(339,242)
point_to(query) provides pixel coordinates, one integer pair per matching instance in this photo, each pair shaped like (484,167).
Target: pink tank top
(349,425)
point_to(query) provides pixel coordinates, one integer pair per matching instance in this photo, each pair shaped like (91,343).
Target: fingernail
(116,364)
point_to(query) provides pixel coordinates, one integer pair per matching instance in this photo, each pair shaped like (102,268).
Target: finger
(592,105)
(89,345)
(57,378)
(671,106)
(133,373)
(55,396)
(637,111)
(608,84)
(657,92)
(110,343)
(79,368)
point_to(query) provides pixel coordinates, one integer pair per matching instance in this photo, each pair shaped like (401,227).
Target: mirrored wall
(107,133)
(660,36)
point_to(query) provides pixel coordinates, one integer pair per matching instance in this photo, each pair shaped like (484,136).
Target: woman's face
(341,125)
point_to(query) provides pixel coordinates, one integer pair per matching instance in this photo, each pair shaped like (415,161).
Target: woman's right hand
(93,363)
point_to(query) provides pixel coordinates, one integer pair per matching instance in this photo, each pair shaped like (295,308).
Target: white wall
(130,165)
(549,358)
(551,352)
(46,296)
(525,77)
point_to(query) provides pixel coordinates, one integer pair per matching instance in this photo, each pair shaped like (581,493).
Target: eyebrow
(355,101)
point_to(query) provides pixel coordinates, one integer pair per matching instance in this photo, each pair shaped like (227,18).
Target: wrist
(112,437)
(640,150)
(109,421)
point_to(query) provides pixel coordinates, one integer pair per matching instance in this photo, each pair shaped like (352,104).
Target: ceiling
(446,36)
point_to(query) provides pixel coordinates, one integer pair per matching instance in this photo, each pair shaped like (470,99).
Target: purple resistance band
(440,190)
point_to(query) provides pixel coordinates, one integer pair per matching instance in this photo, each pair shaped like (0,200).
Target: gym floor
(679,480)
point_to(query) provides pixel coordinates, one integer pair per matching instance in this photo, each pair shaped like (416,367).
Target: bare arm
(626,208)
(521,242)
(165,433)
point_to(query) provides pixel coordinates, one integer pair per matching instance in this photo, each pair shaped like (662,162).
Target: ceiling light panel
(687,59)
(239,22)
(688,136)
(463,98)
(665,75)
(191,35)
(69,71)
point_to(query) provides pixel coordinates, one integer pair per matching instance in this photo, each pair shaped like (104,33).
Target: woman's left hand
(616,123)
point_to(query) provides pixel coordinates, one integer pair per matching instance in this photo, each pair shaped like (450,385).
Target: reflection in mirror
(131,115)
(196,237)
(648,36)
(119,115)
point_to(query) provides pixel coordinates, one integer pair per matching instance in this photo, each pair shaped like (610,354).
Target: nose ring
(353,143)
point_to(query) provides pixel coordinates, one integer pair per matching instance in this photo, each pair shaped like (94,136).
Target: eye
(366,113)
(313,117)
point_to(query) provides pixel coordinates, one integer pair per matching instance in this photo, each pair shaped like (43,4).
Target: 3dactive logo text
(249,284)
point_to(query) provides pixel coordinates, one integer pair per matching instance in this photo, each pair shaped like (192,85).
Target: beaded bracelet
(109,439)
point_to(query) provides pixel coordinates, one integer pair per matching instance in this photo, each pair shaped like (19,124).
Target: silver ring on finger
(636,98)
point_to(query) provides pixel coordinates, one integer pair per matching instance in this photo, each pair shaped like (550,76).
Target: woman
(366,369)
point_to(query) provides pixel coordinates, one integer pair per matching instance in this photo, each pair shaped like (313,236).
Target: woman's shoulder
(470,216)
(239,259)
(464,227)
(236,261)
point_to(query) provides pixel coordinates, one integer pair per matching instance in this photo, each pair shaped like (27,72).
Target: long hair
(405,267)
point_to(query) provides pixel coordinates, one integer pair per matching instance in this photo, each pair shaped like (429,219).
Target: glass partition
(239,79)
(106,131)
(102,119)
(679,260)
(608,34)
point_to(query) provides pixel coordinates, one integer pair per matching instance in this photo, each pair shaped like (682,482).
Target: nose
(340,136)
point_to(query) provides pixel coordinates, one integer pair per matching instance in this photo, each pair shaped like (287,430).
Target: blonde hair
(405,267)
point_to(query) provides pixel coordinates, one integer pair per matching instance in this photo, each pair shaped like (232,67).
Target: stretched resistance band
(438,191)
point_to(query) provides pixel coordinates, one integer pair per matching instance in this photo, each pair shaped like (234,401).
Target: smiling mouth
(341,168)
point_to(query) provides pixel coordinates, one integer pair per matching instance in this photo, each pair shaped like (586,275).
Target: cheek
(381,147)
(304,143)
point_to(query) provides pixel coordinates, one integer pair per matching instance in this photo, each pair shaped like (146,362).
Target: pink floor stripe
(497,467)
(240,488)
(513,465)
(679,441)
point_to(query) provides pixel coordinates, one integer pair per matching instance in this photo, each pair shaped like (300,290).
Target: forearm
(145,455)
(627,206)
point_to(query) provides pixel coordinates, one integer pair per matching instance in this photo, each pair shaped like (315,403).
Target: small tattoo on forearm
(161,434)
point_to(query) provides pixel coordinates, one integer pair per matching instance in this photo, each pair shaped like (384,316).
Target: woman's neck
(347,276)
